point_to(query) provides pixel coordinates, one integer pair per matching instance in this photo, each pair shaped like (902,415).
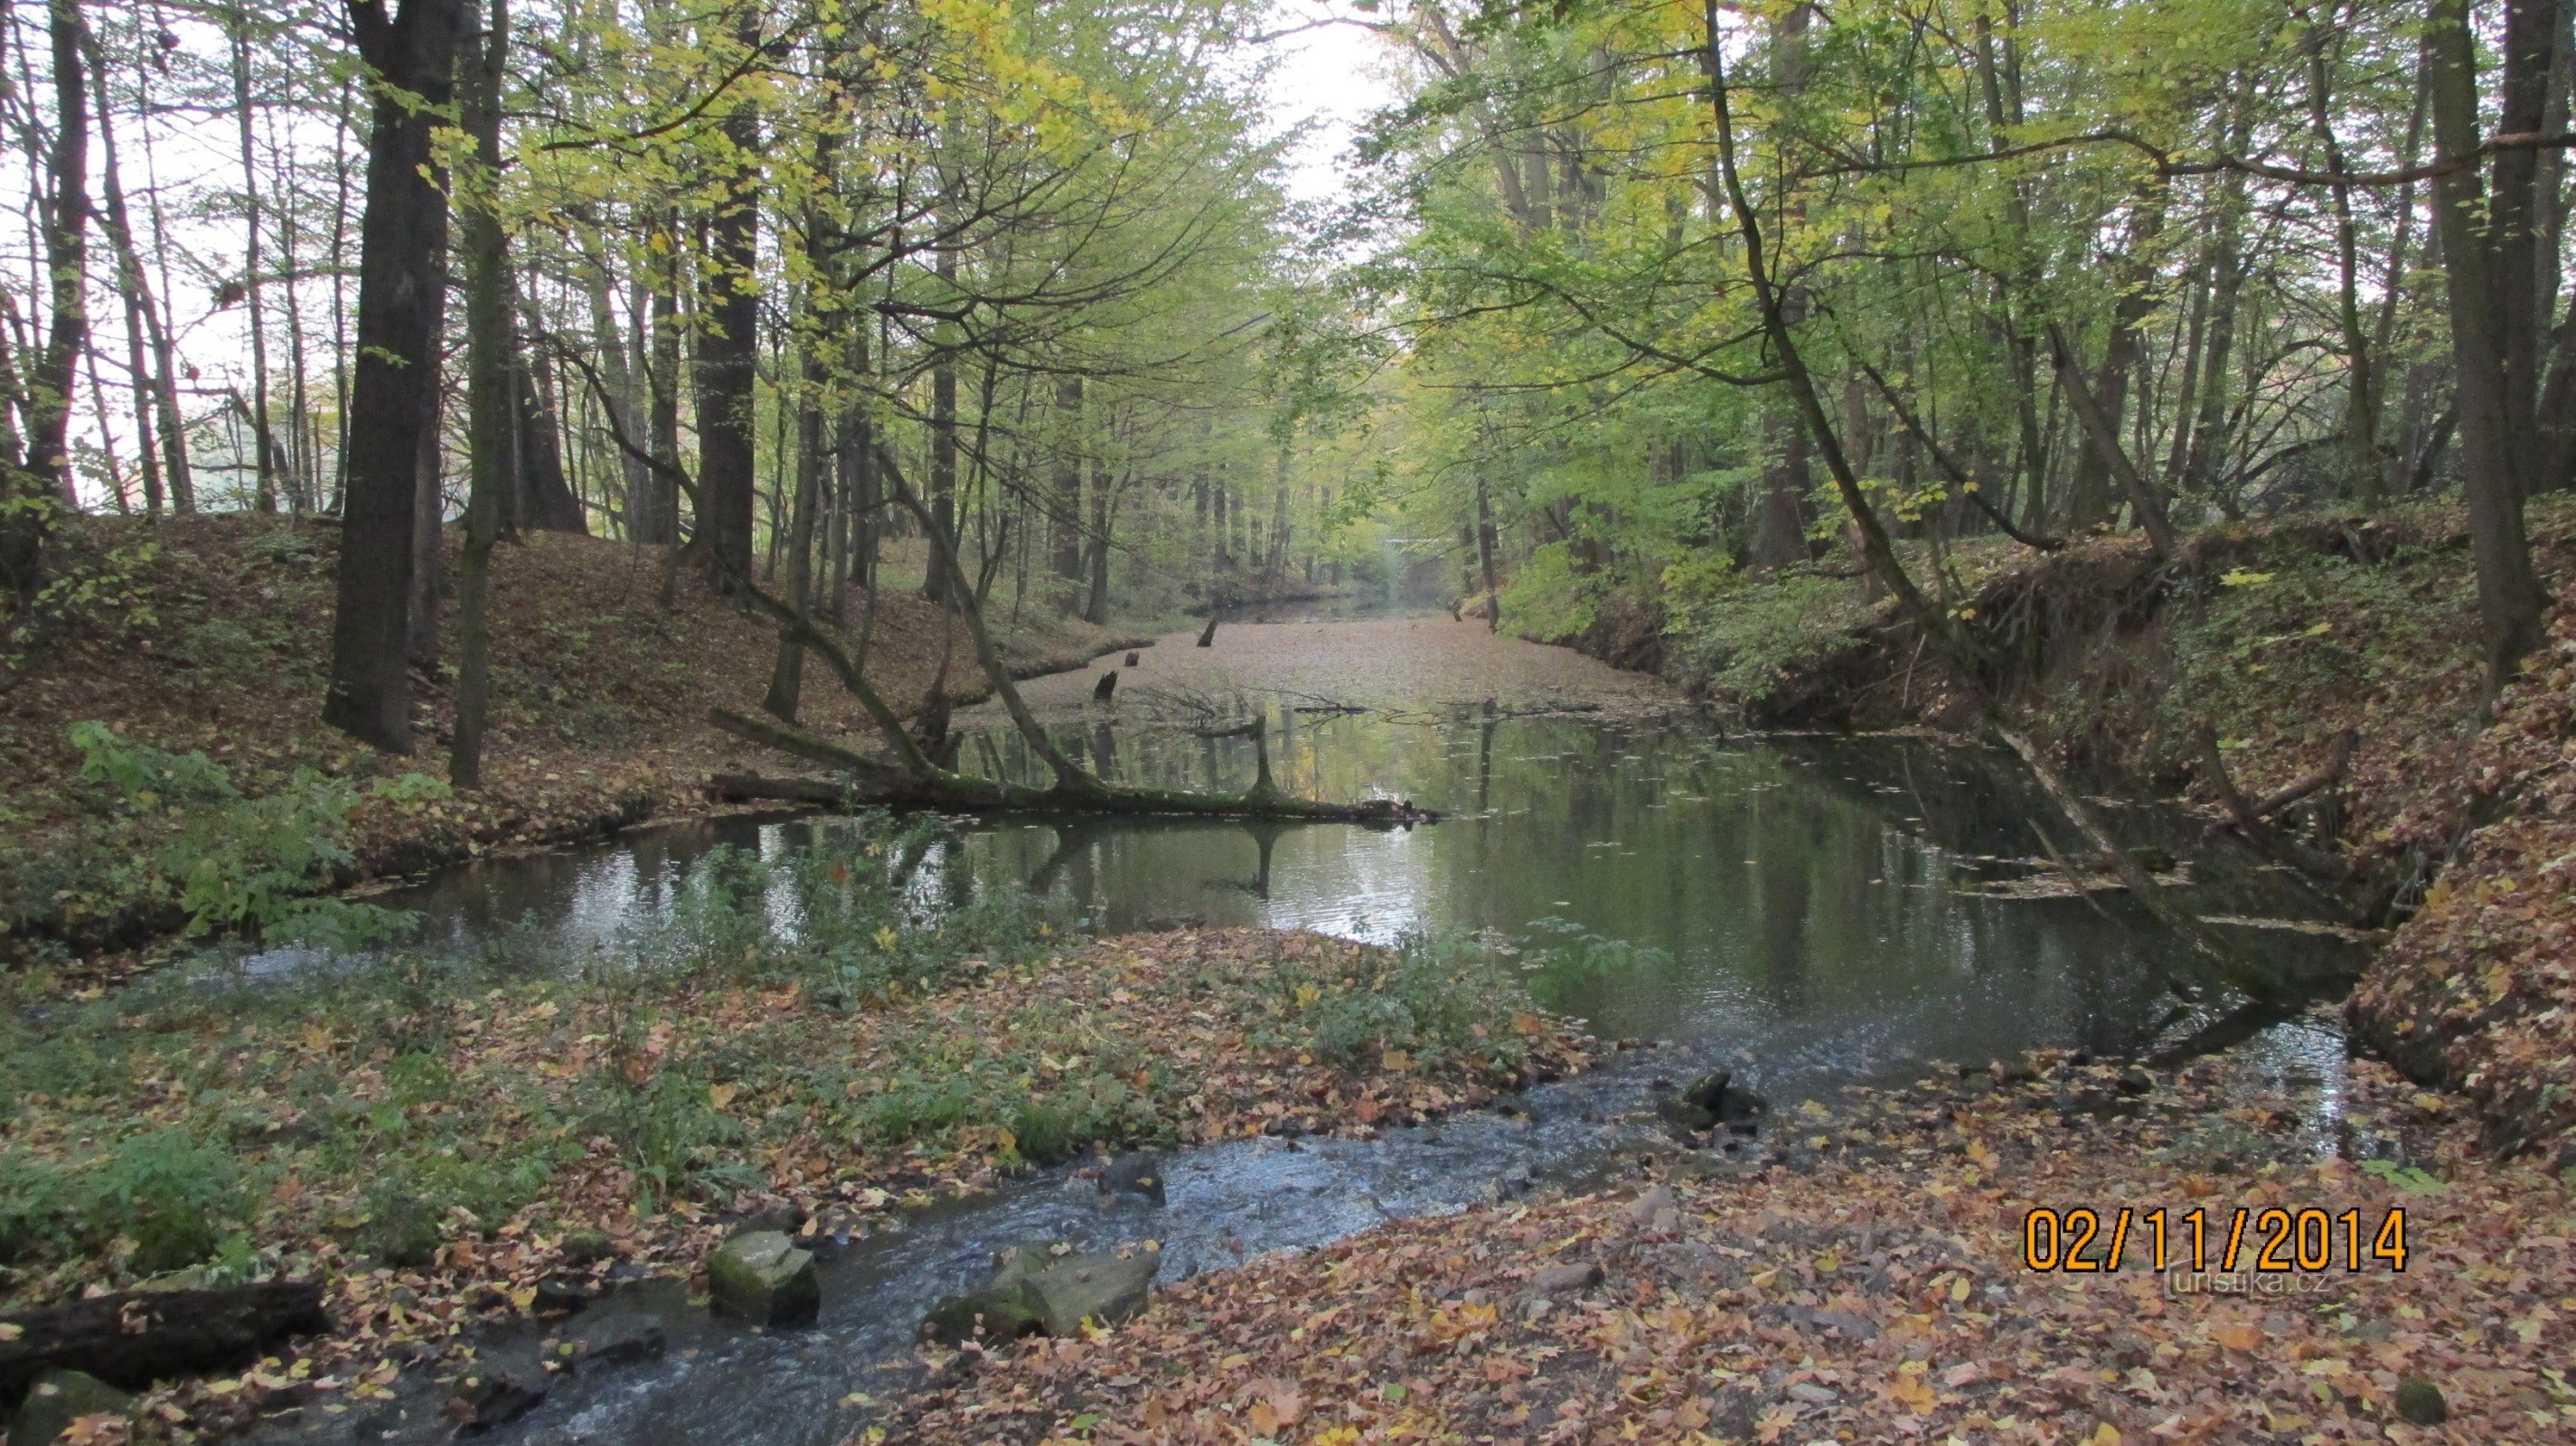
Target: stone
(1572,1275)
(2135,1081)
(1709,1090)
(1683,1117)
(620,1339)
(1139,1174)
(586,1247)
(783,1218)
(561,1295)
(760,1276)
(2419,1403)
(57,1399)
(1648,1209)
(494,1398)
(1812,1394)
(1103,1289)
(1131,660)
(982,1316)
(1742,1111)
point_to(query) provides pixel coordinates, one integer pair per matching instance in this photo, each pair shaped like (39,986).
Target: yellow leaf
(10,1332)
(722,1095)
(2105,1434)
(1959,1289)
(1396,1060)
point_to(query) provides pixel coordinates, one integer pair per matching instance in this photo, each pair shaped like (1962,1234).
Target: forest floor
(1865,1281)
(438,1145)
(218,640)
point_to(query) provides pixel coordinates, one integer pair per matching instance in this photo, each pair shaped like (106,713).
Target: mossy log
(132,1339)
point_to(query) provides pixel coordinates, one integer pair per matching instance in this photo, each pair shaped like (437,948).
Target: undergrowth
(175,832)
(838,1017)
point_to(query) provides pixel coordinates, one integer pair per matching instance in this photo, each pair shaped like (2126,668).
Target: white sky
(1331,76)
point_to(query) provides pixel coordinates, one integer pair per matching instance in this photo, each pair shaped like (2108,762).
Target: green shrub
(245,865)
(1743,635)
(1441,998)
(1550,599)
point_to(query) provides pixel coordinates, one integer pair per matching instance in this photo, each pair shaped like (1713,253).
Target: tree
(410,55)
(2486,224)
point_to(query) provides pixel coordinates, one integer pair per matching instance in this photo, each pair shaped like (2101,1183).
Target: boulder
(492,1398)
(1570,1276)
(1648,1210)
(587,1247)
(57,1399)
(1047,1289)
(1682,1117)
(1139,1174)
(760,1276)
(1102,1289)
(620,1339)
(562,1295)
(982,1316)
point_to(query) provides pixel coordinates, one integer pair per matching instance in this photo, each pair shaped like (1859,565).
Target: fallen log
(2248,817)
(2317,782)
(878,782)
(2259,977)
(132,1339)
(751,787)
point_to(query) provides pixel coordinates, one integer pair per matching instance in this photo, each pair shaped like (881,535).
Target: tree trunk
(728,353)
(491,365)
(429,515)
(155,407)
(2362,473)
(1068,482)
(2489,275)
(542,491)
(28,503)
(943,429)
(1095,609)
(401,256)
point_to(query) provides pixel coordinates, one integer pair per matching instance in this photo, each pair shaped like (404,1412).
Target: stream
(1811,912)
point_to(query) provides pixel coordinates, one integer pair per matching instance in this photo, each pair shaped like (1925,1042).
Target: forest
(643,641)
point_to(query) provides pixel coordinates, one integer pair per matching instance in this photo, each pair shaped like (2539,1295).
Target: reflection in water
(1792,901)
(1789,905)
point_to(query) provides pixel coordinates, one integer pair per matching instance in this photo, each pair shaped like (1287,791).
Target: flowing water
(1810,911)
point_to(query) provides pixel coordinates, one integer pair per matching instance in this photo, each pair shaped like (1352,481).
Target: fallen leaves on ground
(847,1116)
(1863,1281)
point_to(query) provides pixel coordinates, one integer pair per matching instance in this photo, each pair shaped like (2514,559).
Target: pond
(1810,911)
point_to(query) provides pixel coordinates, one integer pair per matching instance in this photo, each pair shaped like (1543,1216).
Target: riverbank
(211,634)
(445,1149)
(2277,639)
(1865,1280)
